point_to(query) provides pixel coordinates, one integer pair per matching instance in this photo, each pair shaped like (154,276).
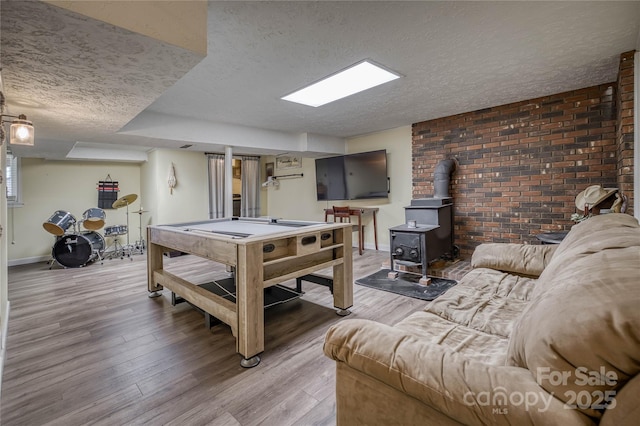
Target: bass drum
(76,250)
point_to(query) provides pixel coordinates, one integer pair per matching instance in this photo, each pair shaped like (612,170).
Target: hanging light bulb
(22,132)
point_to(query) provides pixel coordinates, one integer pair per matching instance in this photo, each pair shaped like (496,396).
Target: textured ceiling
(77,78)
(82,80)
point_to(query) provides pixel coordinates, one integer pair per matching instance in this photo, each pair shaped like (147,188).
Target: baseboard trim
(28,260)
(372,246)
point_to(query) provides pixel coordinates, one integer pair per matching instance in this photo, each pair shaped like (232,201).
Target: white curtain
(216,186)
(250,205)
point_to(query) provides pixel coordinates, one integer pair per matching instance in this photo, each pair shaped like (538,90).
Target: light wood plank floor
(87,346)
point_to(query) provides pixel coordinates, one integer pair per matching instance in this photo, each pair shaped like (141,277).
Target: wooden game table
(263,253)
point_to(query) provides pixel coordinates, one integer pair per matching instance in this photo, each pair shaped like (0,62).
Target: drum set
(75,248)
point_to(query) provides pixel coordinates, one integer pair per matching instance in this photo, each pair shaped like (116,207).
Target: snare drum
(93,218)
(76,250)
(59,222)
(114,230)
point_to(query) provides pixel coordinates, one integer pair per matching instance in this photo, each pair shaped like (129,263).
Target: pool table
(263,252)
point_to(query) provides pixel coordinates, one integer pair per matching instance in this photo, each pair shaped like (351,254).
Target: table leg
(392,274)
(343,276)
(154,263)
(250,304)
(375,230)
(424,280)
(360,235)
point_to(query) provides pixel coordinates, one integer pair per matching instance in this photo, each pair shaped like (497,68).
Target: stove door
(406,246)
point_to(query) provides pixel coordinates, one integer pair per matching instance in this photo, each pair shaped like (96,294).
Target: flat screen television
(352,177)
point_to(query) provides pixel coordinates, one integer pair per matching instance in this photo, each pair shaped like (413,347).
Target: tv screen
(352,177)
(330,179)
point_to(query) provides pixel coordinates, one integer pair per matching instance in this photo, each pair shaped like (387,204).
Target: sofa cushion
(462,389)
(517,258)
(485,300)
(474,344)
(475,317)
(583,232)
(580,335)
(604,232)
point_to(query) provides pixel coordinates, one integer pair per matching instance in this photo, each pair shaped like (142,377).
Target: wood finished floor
(87,346)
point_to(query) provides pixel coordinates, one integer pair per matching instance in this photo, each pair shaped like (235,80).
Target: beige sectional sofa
(534,334)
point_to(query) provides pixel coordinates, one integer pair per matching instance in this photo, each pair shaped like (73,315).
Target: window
(13,180)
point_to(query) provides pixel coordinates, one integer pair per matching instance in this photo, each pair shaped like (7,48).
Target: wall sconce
(21,131)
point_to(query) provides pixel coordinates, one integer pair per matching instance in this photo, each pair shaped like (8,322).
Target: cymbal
(139,211)
(124,201)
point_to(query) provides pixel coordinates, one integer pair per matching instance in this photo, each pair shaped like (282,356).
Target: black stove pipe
(442,176)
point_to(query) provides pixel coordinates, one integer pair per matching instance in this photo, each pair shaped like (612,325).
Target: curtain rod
(234,155)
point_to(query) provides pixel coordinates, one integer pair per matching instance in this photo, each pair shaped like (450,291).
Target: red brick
(495,176)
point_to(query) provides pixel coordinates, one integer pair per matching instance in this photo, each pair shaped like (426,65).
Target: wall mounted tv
(352,177)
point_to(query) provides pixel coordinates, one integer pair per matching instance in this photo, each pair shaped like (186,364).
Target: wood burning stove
(432,236)
(431,239)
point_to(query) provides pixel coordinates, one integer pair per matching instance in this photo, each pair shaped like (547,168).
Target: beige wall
(70,186)
(296,198)
(237,186)
(149,188)
(48,186)
(190,198)
(397,142)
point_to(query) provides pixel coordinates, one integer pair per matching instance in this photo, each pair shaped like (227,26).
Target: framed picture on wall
(268,168)
(288,162)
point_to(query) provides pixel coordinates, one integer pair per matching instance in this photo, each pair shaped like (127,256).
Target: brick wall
(520,165)
(624,130)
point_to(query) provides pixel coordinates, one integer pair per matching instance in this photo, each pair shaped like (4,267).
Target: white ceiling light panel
(357,78)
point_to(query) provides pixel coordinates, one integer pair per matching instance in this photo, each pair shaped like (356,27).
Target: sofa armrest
(467,391)
(522,259)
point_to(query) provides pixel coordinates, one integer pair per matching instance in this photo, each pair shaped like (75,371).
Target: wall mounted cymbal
(124,201)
